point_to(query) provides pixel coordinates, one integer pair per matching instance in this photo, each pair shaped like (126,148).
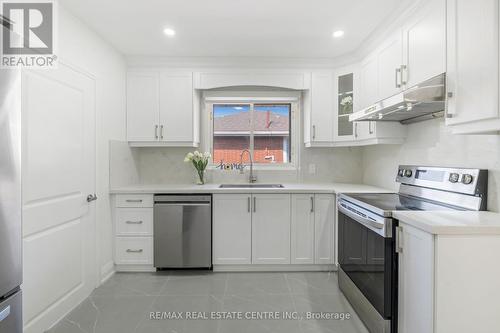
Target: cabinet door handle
(156,132)
(134,251)
(355,130)
(370,127)
(254,204)
(399,245)
(314,132)
(161,132)
(312,204)
(404,75)
(133,200)
(134,222)
(397,77)
(248,204)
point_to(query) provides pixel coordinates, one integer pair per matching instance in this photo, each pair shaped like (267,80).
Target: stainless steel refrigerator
(10,202)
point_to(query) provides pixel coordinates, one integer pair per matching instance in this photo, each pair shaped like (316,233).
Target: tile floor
(125,302)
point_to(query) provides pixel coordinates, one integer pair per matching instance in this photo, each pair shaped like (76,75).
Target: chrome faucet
(251,178)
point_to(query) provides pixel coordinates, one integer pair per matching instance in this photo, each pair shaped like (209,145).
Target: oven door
(366,255)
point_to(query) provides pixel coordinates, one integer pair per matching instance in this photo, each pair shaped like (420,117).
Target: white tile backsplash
(432,143)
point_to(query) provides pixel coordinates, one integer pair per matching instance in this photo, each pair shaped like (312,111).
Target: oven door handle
(358,218)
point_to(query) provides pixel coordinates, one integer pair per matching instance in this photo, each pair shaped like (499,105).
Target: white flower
(346,101)
(207,155)
(189,157)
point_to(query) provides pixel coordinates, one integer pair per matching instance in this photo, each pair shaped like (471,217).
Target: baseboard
(274,268)
(107,271)
(135,268)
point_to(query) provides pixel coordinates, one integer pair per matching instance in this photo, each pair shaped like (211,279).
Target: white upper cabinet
(162,109)
(425,44)
(281,79)
(390,60)
(143,105)
(368,88)
(322,107)
(472,66)
(176,107)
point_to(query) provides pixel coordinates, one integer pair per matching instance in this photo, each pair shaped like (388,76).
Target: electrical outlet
(312,169)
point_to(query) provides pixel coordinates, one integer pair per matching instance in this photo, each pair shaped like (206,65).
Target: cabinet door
(324,216)
(416,280)
(472,60)
(302,229)
(346,101)
(369,92)
(232,229)
(176,107)
(390,59)
(271,229)
(425,44)
(142,106)
(364,130)
(322,107)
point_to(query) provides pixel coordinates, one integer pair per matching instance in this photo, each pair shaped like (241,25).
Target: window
(262,128)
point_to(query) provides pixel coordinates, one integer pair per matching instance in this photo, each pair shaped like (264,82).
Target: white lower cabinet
(133,216)
(232,229)
(448,283)
(302,229)
(324,217)
(271,229)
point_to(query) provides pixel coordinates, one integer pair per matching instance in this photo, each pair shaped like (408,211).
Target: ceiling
(234,28)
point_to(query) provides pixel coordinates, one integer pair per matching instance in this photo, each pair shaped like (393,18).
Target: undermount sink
(251,186)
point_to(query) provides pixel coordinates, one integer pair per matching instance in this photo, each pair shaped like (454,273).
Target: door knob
(91,197)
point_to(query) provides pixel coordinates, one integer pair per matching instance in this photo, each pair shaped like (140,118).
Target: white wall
(431,143)
(81,47)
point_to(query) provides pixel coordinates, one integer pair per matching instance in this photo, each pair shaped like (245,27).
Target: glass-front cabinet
(345,101)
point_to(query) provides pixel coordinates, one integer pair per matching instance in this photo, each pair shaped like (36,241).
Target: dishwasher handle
(182,203)
(180,199)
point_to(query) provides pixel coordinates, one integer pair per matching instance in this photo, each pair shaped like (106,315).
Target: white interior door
(58,157)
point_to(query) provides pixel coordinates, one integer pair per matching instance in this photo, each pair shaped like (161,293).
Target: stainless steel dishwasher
(182,231)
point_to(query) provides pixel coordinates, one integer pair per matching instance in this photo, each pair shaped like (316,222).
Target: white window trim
(234,97)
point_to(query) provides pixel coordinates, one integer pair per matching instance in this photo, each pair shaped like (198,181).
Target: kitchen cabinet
(271,229)
(232,229)
(143,106)
(368,91)
(446,281)
(321,113)
(425,44)
(473,66)
(133,230)
(162,109)
(390,60)
(302,229)
(324,206)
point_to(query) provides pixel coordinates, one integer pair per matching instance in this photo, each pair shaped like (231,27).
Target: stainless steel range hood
(421,102)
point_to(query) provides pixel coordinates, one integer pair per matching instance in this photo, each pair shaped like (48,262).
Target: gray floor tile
(312,283)
(130,284)
(195,284)
(256,283)
(124,303)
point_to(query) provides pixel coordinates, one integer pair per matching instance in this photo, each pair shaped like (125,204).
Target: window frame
(292,98)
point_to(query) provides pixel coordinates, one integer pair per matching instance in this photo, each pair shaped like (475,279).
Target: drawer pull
(133,200)
(134,222)
(134,251)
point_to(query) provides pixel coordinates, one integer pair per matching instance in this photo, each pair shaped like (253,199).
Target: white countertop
(452,222)
(214,188)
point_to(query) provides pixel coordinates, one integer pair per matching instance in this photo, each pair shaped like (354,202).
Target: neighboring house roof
(264,123)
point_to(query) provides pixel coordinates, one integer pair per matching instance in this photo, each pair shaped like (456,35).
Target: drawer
(134,250)
(134,221)
(134,200)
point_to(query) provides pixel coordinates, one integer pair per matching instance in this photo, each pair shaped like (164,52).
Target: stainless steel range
(367,249)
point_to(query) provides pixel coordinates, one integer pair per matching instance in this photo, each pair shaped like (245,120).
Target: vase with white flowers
(200,162)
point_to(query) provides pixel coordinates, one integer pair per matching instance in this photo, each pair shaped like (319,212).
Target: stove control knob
(401,172)
(408,173)
(454,177)
(467,179)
